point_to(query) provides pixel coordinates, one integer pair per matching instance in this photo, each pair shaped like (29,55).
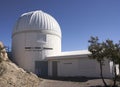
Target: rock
(13,76)
(3,52)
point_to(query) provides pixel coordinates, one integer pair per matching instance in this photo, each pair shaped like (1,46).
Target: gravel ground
(58,83)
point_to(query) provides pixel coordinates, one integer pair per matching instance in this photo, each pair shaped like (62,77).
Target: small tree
(112,51)
(97,50)
(118,55)
(103,50)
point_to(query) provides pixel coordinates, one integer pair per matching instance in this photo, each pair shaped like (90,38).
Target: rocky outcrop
(3,53)
(13,76)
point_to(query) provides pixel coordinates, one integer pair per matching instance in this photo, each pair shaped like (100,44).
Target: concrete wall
(55,43)
(26,58)
(79,67)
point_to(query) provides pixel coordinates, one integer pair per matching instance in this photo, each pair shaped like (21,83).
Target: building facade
(36,47)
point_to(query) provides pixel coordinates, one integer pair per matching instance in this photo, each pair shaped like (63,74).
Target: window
(41,37)
(28,48)
(67,63)
(37,47)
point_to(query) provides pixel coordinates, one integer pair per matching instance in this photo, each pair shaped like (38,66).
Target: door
(41,68)
(54,69)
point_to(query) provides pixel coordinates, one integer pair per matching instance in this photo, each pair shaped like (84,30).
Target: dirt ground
(83,82)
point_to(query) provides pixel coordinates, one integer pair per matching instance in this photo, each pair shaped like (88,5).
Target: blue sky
(78,19)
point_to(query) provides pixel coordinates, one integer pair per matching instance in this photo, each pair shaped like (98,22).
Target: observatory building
(36,47)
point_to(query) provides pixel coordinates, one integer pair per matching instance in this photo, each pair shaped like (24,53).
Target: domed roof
(36,20)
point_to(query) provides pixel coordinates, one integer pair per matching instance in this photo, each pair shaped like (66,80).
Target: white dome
(37,21)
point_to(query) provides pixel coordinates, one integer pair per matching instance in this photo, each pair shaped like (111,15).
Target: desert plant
(112,51)
(98,54)
(105,50)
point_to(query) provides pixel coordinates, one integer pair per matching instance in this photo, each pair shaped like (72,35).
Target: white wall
(55,43)
(79,67)
(26,58)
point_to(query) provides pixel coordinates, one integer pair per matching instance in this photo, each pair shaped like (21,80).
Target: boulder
(13,76)
(3,52)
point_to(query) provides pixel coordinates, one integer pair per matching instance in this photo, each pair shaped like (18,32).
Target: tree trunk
(101,74)
(115,76)
(119,68)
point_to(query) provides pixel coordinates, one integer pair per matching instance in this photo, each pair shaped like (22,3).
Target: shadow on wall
(10,56)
